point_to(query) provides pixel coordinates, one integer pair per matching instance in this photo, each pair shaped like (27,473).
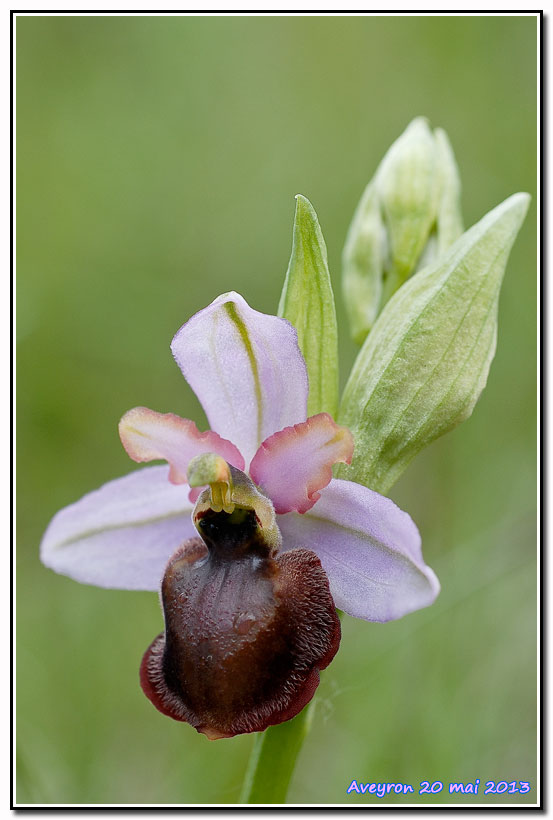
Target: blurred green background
(157,162)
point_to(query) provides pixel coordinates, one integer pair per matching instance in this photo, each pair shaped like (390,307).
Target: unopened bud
(408,216)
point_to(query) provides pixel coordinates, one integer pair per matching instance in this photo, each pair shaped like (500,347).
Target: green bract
(307,301)
(408,215)
(426,361)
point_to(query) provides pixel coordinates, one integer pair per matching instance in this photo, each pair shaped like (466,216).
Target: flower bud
(408,216)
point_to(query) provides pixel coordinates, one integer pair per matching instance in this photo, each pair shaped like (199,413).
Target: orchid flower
(252,567)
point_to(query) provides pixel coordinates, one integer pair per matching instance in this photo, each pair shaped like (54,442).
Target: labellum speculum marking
(246,629)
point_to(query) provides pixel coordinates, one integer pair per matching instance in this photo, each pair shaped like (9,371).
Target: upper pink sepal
(147,435)
(246,369)
(293,464)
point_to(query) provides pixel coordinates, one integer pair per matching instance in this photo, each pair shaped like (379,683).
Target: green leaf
(426,361)
(307,301)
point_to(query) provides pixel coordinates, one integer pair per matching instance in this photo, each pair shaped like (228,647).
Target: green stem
(273,759)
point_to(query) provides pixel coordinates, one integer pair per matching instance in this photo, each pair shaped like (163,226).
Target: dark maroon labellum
(245,633)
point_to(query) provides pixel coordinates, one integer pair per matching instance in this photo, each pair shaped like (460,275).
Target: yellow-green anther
(214,471)
(207,468)
(231,491)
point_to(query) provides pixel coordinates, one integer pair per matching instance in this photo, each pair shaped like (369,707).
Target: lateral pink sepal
(291,466)
(147,435)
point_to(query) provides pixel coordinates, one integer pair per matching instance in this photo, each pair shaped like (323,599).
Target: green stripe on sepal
(307,301)
(230,308)
(426,361)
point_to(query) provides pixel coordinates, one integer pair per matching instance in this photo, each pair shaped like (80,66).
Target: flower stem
(273,759)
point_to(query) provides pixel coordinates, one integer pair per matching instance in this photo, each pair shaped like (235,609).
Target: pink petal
(369,548)
(293,464)
(147,435)
(246,369)
(121,535)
